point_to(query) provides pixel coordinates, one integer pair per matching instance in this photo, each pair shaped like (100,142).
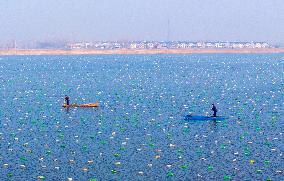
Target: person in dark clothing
(214,109)
(67,100)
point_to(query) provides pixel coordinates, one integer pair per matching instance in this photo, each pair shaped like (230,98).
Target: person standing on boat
(67,100)
(214,109)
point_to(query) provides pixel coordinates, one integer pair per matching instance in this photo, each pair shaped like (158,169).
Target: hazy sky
(90,20)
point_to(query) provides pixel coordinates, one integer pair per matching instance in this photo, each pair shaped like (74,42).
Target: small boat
(204,118)
(81,105)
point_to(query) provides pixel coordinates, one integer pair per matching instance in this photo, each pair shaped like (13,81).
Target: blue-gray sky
(91,20)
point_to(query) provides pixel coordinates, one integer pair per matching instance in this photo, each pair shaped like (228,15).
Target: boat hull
(204,118)
(81,105)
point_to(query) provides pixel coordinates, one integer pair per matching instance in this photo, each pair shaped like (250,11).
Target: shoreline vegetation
(137,51)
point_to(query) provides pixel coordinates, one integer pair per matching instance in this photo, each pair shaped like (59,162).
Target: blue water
(139,131)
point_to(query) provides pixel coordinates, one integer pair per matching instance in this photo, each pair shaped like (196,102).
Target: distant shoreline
(138,51)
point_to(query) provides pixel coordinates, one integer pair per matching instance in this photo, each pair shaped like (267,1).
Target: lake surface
(139,131)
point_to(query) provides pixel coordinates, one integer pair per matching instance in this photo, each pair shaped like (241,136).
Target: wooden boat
(81,105)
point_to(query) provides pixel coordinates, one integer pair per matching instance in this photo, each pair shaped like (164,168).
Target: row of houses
(165,45)
(138,45)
